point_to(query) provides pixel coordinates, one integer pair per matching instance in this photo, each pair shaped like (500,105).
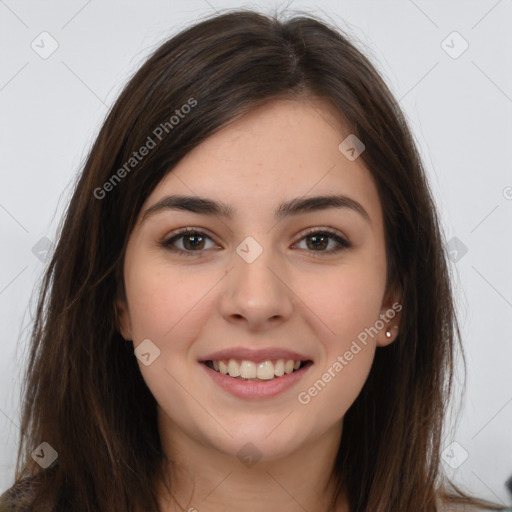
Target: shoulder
(459,502)
(445,507)
(19,497)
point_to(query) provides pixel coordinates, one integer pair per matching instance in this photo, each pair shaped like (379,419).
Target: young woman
(249,305)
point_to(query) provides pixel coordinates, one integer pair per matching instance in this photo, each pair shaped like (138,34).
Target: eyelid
(341,239)
(328,230)
(166,242)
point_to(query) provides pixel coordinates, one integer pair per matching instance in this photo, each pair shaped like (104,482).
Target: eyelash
(167,243)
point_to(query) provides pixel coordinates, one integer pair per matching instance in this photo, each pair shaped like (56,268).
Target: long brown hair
(84,394)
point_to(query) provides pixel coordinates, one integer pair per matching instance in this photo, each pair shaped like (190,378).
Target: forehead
(281,150)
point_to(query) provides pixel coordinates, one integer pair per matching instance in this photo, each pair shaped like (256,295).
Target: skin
(293,296)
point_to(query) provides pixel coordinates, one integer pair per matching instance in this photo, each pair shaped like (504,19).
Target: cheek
(162,299)
(347,299)
(166,307)
(350,310)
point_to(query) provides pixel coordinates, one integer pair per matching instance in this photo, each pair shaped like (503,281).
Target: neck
(204,479)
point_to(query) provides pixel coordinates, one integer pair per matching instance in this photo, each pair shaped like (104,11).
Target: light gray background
(459,110)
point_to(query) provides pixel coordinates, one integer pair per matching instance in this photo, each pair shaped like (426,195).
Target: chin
(259,445)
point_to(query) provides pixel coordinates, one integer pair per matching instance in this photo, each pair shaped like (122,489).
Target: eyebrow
(297,206)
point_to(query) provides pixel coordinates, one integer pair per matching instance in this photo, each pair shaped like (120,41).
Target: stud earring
(388,332)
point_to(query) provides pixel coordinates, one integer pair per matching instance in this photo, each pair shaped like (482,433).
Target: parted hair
(83,392)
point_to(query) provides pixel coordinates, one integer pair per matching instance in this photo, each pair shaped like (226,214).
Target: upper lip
(257,356)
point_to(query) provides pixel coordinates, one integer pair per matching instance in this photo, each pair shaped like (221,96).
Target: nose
(258,294)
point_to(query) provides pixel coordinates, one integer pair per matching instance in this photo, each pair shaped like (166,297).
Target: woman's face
(261,286)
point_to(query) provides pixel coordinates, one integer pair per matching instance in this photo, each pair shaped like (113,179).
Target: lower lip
(257,389)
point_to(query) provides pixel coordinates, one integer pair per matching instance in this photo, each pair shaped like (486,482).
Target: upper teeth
(265,370)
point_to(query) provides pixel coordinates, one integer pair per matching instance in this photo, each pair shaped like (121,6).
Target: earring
(388,332)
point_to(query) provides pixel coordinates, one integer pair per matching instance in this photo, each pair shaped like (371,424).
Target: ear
(123,320)
(390,316)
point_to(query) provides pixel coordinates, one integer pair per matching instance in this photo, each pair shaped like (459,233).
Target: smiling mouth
(257,372)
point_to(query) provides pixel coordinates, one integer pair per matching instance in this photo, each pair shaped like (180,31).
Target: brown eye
(319,240)
(192,242)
